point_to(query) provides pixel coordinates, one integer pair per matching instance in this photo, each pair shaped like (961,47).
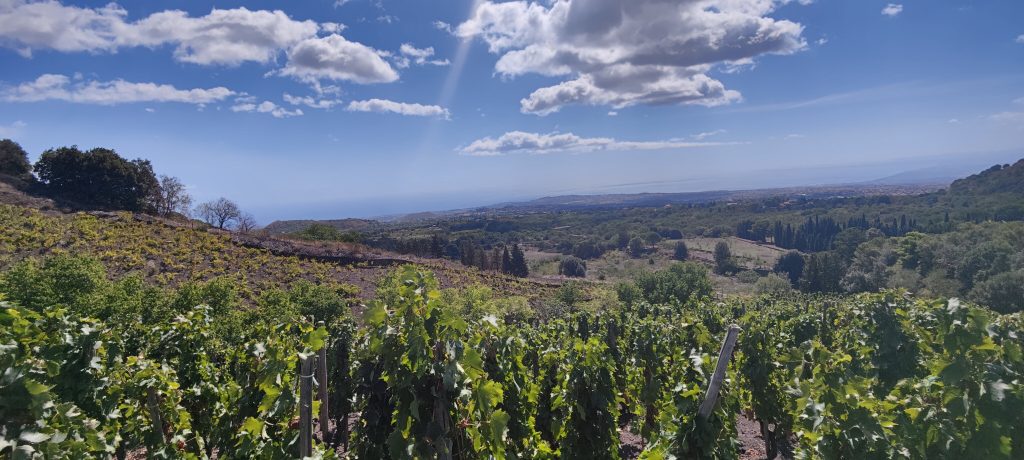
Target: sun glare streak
(451,83)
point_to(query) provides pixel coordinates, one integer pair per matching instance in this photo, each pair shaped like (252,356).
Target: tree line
(101,179)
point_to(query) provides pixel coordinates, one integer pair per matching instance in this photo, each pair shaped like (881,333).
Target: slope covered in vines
(101,368)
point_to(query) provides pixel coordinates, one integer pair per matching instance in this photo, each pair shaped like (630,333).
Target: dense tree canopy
(792,265)
(14,160)
(98,179)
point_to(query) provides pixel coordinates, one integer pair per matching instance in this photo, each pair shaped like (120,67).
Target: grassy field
(615,266)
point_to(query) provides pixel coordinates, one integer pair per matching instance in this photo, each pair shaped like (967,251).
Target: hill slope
(168,254)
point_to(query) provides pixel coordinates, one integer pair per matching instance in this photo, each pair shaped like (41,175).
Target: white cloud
(332,27)
(1020,38)
(892,9)
(150,109)
(335,58)
(228,37)
(953,121)
(536,143)
(443,26)
(61,87)
(612,113)
(620,53)
(13,129)
(705,135)
(266,107)
(403,108)
(312,102)
(795,136)
(420,56)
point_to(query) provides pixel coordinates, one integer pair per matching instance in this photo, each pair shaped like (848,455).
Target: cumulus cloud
(892,10)
(310,101)
(335,58)
(266,107)
(620,53)
(227,37)
(12,129)
(403,108)
(63,88)
(536,143)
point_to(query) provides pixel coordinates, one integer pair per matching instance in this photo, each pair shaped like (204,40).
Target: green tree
(1003,292)
(573,267)
(98,179)
(14,160)
(506,261)
(723,258)
(518,263)
(636,247)
(792,265)
(681,251)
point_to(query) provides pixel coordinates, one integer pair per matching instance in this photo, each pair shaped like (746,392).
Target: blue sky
(360,108)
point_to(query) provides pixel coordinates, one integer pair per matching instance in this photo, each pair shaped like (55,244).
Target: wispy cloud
(12,129)
(705,135)
(266,107)
(61,87)
(536,143)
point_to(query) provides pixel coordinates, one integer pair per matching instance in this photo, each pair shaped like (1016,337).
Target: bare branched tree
(172,197)
(246,223)
(220,213)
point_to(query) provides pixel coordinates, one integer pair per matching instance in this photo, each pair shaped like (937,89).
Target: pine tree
(518,262)
(506,262)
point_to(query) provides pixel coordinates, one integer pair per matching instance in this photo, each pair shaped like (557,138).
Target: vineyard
(95,368)
(170,254)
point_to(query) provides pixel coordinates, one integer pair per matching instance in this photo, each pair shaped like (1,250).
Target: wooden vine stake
(724,355)
(153,401)
(306,407)
(321,388)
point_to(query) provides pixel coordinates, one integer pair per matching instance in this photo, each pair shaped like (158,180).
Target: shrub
(723,258)
(680,283)
(573,267)
(681,251)
(772,284)
(747,276)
